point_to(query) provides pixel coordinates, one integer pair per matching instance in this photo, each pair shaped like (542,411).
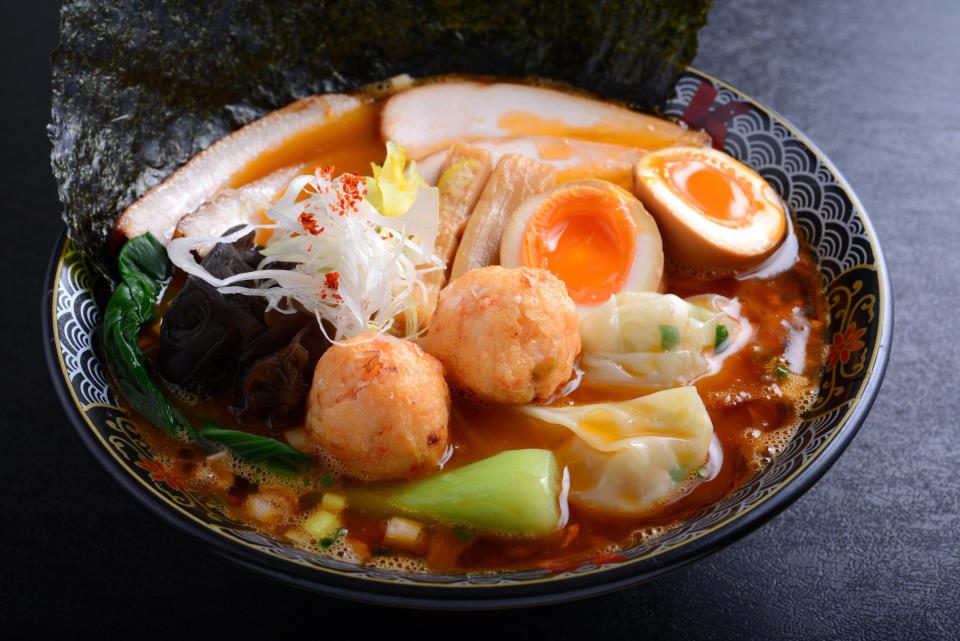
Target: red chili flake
(352,182)
(332,280)
(350,194)
(323,174)
(309,223)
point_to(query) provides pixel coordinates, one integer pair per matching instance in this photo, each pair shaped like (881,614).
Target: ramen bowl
(827,215)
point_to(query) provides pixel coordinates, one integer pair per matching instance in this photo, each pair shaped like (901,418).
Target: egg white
(691,238)
(646,270)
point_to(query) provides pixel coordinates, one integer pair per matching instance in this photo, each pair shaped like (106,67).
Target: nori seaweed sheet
(140,87)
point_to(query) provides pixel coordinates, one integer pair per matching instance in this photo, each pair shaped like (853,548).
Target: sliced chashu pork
(572,158)
(161,208)
(228,206)
(429,117)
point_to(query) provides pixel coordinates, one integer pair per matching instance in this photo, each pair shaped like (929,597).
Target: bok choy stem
(510,493)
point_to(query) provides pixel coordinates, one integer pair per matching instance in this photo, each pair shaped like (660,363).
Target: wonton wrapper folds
(631,456)
(622,339)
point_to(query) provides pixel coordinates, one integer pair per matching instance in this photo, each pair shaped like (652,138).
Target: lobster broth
(754,406)
(754,413)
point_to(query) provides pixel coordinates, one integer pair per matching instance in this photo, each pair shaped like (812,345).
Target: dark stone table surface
(872,551)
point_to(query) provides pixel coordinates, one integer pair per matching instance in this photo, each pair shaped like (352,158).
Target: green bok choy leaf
(144,266)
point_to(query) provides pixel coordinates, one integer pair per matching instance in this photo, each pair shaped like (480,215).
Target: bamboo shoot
(514,180)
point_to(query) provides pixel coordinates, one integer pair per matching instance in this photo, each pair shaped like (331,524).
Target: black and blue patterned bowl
(827,214)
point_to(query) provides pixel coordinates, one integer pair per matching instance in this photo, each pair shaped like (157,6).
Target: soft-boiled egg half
(593,235)
(714,212)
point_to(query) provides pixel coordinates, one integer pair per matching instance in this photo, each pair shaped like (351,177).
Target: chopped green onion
(781,371)
(679,473)
(327,541)
(722,340)
(669,337)
(321,525)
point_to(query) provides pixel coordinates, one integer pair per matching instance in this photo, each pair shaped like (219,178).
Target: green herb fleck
(327,481)
(462,533)
(722,339)
(781,371)
(703,472)
(669,337)
(327,541)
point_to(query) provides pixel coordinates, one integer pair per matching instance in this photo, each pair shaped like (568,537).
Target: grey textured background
(871,552)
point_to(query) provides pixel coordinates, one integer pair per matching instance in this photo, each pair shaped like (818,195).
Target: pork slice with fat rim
(161,208)
(231,207)
(429,117)
(572,158)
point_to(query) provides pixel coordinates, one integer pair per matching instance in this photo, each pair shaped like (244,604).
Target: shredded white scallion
(352,267)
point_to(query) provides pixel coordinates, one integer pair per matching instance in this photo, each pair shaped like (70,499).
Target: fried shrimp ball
(379,406)
(506,335)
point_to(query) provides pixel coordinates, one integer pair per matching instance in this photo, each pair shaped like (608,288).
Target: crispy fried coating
(379,406)
(506,335)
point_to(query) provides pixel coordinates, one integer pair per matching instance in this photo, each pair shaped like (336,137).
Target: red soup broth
(755,408)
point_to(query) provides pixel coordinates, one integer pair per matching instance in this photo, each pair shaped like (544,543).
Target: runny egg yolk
(593,235)
(587,237)
(717,193)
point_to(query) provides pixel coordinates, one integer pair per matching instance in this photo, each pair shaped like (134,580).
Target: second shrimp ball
(508,336)
(379,406)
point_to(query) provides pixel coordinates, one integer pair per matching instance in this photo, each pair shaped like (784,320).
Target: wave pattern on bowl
(827,216)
